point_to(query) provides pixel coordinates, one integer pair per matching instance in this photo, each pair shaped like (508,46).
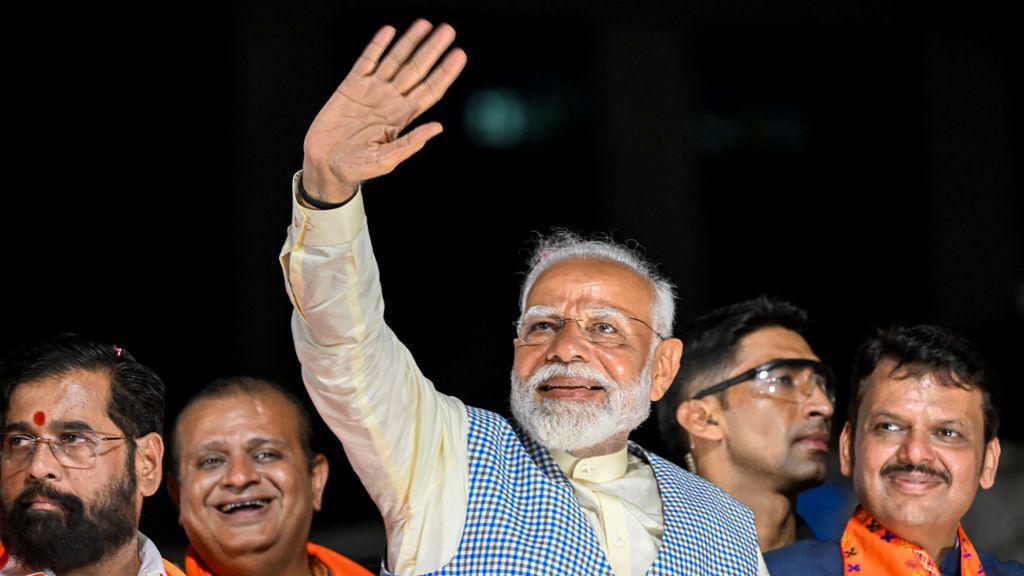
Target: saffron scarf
(323,561)
(869,549)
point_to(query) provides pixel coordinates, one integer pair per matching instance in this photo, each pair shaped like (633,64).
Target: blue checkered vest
(523,518)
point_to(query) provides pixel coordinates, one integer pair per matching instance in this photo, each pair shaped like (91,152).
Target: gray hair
(565,245)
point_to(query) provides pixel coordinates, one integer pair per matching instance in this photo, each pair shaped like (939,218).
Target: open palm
(357,135)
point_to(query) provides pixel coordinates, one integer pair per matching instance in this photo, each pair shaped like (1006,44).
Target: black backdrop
(861,159)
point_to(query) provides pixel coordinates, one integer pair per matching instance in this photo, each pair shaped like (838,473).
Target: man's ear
(846,450)
(697,418)
(149,457)
(989,464)
(665,366)
(321,469)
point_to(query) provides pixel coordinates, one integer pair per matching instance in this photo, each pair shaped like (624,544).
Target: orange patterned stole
(870,549)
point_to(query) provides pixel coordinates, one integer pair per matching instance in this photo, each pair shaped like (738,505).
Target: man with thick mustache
(462,490)
(80,448)
(751,411)
(920,440)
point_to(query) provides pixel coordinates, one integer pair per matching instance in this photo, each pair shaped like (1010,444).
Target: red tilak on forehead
(39,418)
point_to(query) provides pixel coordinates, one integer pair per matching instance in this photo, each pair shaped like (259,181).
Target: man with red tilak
(81,447)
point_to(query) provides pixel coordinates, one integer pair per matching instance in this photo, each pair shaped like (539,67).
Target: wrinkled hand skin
(356,135)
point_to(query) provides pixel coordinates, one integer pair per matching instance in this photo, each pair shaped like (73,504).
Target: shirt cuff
(327,227)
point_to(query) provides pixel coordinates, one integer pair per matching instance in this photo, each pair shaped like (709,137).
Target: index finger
(367,61)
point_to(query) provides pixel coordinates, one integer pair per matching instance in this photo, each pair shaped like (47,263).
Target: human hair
(229,386)
(565,245)
(136,404)
(712,341)
(916,351)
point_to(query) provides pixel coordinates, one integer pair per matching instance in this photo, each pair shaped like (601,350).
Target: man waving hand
(560,490)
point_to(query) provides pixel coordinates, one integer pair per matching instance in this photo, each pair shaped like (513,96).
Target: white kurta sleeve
(406,441)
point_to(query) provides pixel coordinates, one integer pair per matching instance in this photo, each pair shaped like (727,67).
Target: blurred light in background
(501,117)
(496,118)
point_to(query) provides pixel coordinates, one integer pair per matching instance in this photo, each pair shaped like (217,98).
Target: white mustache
(573,370)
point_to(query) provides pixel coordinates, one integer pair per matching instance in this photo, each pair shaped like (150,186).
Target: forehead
(236,418)
(572,283)
(76,395)
(920,397)
(769,343)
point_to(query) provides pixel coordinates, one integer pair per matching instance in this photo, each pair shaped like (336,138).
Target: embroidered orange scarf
(869,549)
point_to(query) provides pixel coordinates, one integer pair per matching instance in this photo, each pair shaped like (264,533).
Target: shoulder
(806,557)
(693,485)
(994,567)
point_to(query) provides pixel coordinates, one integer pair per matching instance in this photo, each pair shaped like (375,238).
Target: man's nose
(818,404)
(570,344)
(43,463)
(241,473)
(915,447)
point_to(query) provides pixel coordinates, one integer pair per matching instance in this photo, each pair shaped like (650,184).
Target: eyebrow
(77,425)
(538,310)
(887,414)
(251,443)
(16,426)
(73,425)
(607,311)
(255,442)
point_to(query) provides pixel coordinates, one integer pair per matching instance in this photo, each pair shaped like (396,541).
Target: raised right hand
(355,136)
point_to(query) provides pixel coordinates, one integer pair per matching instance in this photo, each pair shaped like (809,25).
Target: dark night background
(859,158)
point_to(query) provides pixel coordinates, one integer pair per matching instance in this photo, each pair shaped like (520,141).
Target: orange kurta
(337,564)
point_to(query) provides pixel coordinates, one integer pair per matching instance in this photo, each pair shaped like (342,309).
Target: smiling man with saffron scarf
(920,440)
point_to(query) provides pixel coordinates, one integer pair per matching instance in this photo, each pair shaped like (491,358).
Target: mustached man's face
(918,454)
(571,393)
(64,518)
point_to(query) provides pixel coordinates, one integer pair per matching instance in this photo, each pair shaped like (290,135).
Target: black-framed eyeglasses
(790,379)
(603,329)
(72,449)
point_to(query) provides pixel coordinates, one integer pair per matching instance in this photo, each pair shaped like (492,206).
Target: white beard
(571,425)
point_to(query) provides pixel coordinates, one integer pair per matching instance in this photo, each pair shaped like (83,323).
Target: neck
(774,510)
(246,564)
(935,540)
(124,562)
(609,446)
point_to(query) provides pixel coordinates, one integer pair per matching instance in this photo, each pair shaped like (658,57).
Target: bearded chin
(573,425)
(77,536)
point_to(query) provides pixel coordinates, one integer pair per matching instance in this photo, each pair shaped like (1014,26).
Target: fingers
(367,61)
(400,52)
(428,92)
(401,149)
(426,56)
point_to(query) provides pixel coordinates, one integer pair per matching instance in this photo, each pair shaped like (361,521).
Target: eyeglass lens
(792,382)
(599,329)
(71,450)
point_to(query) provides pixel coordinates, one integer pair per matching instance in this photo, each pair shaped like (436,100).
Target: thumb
(394,153)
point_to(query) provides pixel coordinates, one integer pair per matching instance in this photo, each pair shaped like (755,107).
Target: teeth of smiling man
(549,388)
(258,503)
